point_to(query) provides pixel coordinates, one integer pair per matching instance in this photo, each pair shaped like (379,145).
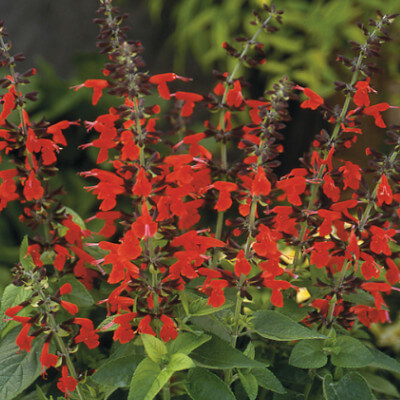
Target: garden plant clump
(202,274)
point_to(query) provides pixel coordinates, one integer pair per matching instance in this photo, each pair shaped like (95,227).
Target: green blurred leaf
(155,348)
(217,354)
(18,369)
(308,354)
(268,380)
(118,372)
(351,387)
(383,361)
(179,362)
(249,383)
(276,326)
(351,354)
(186,342)
(202,384)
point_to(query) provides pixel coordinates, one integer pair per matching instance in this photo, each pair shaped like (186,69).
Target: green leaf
(18,370)
(381,385)
(79,294)
(118,372)
(351,353)
(179,362)
(40,394)
(276,326)
(12,296)
(383,361)
(250,384)
(268,380)
(250,351)
(186,342)
(148,380)
(217,354)
(351,387)
(212,324)
(308,354)
(155,348)
(24,258)
(202,384)
(199,307)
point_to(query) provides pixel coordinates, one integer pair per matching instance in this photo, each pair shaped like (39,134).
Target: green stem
(166,392)
(220,222)
(236,317)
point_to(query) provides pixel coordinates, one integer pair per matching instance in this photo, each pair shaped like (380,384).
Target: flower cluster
(182,224)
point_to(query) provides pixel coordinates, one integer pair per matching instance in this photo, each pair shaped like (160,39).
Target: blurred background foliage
(186,36)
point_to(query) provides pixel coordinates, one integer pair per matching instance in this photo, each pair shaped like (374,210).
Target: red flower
(392,274)
(379,240)
(330,190)
(47,359)
(189,100)
(23,341)
(168,330)
(314,100)
(351,175)
(224,200)
(144,226)
(8,103)
(144,326)
(293,186)
(369,268)
(320,253)
(32,188)
(242,266)
(97,84)
(375,288)
(87,333)
(217,297)
(260,185)
(66,383)
(124,333)
(234,96)
(142,185)
(384,194)
(71,308)
(375,111)
(277,286)
(161,82)
(360,97)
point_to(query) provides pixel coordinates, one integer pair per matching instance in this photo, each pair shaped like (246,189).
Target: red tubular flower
(97,84)
(384,194)
(320,253)
(375,288)
(23,341)
(70,307)
(124,333)
(369,268)
(330,190)
(109,217)
(144,226)
(8,187)
(293,186)
(360,97)
(32,188)
(375,110)
(87,333)
(260,185)
(47,359)
(351,175)
(189,100)
(224,200)
(66,384)
(65,289)
(277,286)
(392,274)
(368,315)
(217,297)
(234,97)
(142,185)
(242,266)
(144,326)
(56,131)
(379,240)
(8,103)
(168,330)
(11,311)
(314,100)
(161,82)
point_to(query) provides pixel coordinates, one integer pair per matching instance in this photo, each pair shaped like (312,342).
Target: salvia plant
(209,277)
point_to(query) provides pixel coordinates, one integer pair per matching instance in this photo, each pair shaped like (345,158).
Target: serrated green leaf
(79,294)
(308,354)
(179,362)
(213,325)
(276,326)
(18,370)
(250,351)
(186,342)
(383,361)
(351,387)
(155,348)
(249,383)
(268,380)
(217,354)
(202,384)
(118,372)
(352,353)
(148,380)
